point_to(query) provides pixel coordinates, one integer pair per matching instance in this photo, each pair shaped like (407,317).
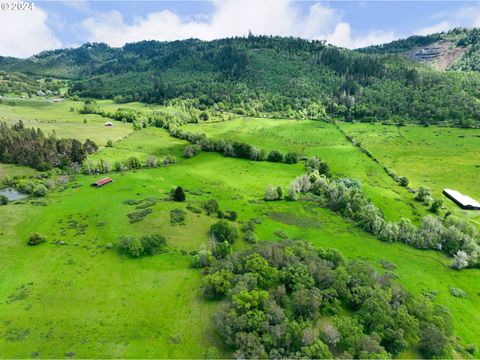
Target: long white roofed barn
(464,201)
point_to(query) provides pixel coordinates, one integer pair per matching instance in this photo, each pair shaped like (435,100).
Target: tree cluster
(231,148)
(30,147)
(345,196)
(152,244)
(289,300)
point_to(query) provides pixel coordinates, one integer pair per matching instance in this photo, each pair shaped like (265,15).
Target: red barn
(102,182)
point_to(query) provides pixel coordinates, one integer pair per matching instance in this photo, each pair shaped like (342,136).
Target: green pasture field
(437,157)
(142,144)
(15,170)
(49,116)
(90,300)
(323,140)
(86,298)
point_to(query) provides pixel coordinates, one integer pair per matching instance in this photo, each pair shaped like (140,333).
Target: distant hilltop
(399,82)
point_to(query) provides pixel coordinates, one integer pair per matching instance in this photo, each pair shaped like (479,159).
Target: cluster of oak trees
(289,300)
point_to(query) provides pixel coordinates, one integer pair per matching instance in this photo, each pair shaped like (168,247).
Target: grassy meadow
(58,117)
(142,144)
(314,138)
(87,300)
(15,170)
(433,156)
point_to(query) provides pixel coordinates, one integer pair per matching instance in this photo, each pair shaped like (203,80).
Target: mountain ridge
(255,75)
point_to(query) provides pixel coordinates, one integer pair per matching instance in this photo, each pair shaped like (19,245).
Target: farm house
(102,182)
(108,123)
(464,201)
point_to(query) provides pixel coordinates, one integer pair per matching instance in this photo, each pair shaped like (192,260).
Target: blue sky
(54,24)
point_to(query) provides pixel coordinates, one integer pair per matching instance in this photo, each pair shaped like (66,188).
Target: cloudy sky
(54,24)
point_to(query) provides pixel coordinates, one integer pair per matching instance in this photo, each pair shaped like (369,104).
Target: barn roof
(102,181)
(463,200)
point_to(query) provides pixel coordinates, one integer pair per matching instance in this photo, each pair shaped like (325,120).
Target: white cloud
(468,16)
(342,36)
(231,18)
(436,28)
(25,33)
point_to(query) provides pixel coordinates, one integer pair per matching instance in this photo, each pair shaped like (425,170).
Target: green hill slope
(285,77)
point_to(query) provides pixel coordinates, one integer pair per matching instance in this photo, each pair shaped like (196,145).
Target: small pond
(12,194)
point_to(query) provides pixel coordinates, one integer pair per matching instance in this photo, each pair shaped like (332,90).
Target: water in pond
(12,194)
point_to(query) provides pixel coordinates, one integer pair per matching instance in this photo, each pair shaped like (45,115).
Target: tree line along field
(87,299)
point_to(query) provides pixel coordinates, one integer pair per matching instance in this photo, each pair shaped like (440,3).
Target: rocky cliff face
(440,54)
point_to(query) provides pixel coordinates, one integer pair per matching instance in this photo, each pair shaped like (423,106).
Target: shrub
(231,215)
(275,156)
(36,238)
(133,163)
(203,259)
(211,206)
(178,194)
(109,143)
(203,116)
(291,158)
(194,209)
(210,353)
(138,215)
(457,292)
(433,342)
(217,284)
(315,163)
(151,162)
(249,226)
(403,181)
(130,245)
(471,348)
(153,244)
(177,217)
(461,260)
(222,231)
(40,190)
(146,245)
(250,237)
(436,205)
(222,249)
(191,150)
(3,200)
(423,193)
(273,193)
(167,160)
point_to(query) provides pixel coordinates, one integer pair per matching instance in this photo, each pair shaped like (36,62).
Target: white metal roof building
(464,201)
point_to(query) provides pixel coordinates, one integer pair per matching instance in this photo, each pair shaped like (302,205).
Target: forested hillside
(258,75)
